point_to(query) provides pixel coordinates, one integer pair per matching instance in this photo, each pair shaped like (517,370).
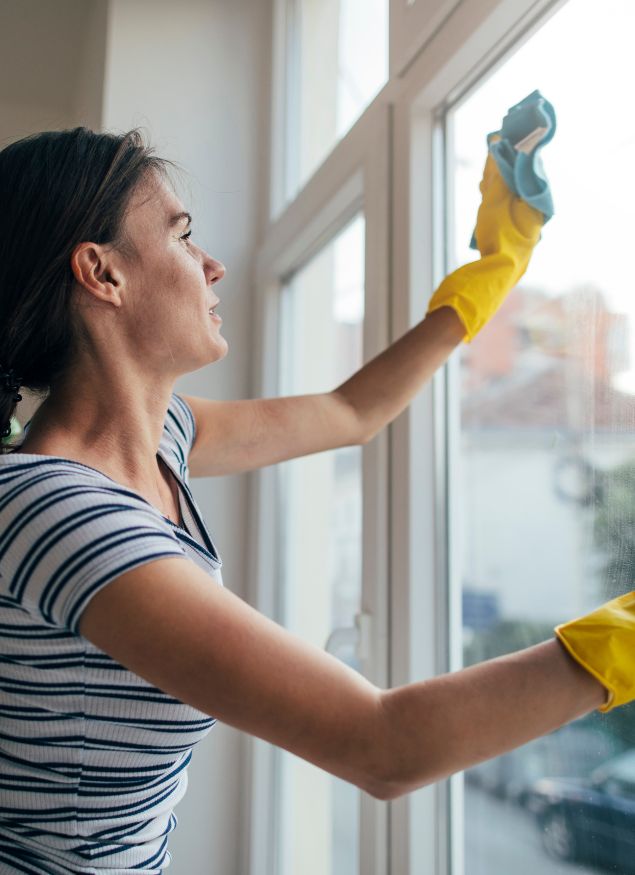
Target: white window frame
(426,829)
(391,164)
(355,178)
(412,24)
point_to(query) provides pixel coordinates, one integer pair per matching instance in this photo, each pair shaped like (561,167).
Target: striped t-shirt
(92,757)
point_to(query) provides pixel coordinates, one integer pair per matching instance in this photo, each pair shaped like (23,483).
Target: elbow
(398,760)
(367,437)
(383,791)
(353,428)
(385,776)
(367,431)
(388,787)
(385,788)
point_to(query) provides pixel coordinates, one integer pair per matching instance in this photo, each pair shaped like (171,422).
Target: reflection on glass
(318,815)
(548,445)
(340,68)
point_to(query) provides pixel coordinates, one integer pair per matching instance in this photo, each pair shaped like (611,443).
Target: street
(503,839)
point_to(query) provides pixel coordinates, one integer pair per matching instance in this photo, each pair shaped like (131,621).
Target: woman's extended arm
(235,436)
(167,622)
(456,720)
(239,435)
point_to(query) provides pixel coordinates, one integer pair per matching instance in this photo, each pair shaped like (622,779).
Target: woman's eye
(186,236)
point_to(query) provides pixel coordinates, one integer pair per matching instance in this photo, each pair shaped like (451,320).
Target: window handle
(351,640)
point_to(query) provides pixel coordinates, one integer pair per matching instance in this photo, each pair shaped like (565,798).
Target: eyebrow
(178,217)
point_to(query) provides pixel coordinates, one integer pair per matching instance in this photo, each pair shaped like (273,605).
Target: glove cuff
(602,643)
(579,658)
(477,289)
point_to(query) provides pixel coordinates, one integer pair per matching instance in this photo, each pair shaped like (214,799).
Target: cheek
(169,289)
(185,271)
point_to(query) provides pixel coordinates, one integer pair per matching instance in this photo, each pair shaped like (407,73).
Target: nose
(214,270)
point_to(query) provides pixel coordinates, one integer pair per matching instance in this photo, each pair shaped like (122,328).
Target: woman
(118,651)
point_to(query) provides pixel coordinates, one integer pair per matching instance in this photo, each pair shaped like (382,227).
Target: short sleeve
(65,534)
(180,422)
(179,433)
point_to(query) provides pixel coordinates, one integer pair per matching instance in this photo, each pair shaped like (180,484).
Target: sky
(582,60)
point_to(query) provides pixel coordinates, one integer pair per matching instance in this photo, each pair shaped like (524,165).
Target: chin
(220,351)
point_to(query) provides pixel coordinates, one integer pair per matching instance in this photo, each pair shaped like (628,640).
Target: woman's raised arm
(169,624)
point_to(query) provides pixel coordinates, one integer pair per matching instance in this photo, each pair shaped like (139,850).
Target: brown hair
(57,189)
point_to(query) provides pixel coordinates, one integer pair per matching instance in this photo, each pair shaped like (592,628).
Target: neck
(116,430)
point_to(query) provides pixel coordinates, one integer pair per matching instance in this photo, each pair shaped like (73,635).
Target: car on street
(592,819)
(571,752)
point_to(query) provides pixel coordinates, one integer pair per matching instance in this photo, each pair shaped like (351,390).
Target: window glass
(546,516)
(338,62)
(321,558)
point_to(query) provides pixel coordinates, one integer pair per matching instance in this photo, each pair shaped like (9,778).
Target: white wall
(90,51)
(52,59)
(195,74)
(40,63)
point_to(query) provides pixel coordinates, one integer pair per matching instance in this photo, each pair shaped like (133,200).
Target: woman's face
(168,284)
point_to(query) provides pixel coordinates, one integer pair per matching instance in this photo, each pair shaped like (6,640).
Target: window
(322,519)
(522,497)
(334,69)
(321,550)
(545,511)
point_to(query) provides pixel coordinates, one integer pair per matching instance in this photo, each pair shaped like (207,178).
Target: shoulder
(65,527)
(179,420)
(37,491)
(179,431)
(54,498)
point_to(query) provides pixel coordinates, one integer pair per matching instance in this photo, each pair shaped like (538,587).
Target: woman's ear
(94,269)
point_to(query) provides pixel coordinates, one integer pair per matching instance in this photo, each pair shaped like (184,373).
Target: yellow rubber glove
(603,642)
(507,229)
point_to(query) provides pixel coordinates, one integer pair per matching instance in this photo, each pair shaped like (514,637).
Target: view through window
(339,68)
(546,515)
(321,549)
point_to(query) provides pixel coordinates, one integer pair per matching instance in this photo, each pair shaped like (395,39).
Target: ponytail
(57,189)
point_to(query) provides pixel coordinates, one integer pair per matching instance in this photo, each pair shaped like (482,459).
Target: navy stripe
(185,408)
(158,857)
(74,615)
(8,855)
(196,546)
(104,546)
(57,533)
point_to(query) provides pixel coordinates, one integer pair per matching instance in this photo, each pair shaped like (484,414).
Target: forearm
(380,390)
(434,728)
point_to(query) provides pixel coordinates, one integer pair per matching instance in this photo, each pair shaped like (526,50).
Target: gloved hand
(507,229)
(603,642)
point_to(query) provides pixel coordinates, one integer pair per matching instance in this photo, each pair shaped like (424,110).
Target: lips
(213,314)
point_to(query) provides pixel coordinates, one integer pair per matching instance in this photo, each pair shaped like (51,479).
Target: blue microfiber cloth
(527,127)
